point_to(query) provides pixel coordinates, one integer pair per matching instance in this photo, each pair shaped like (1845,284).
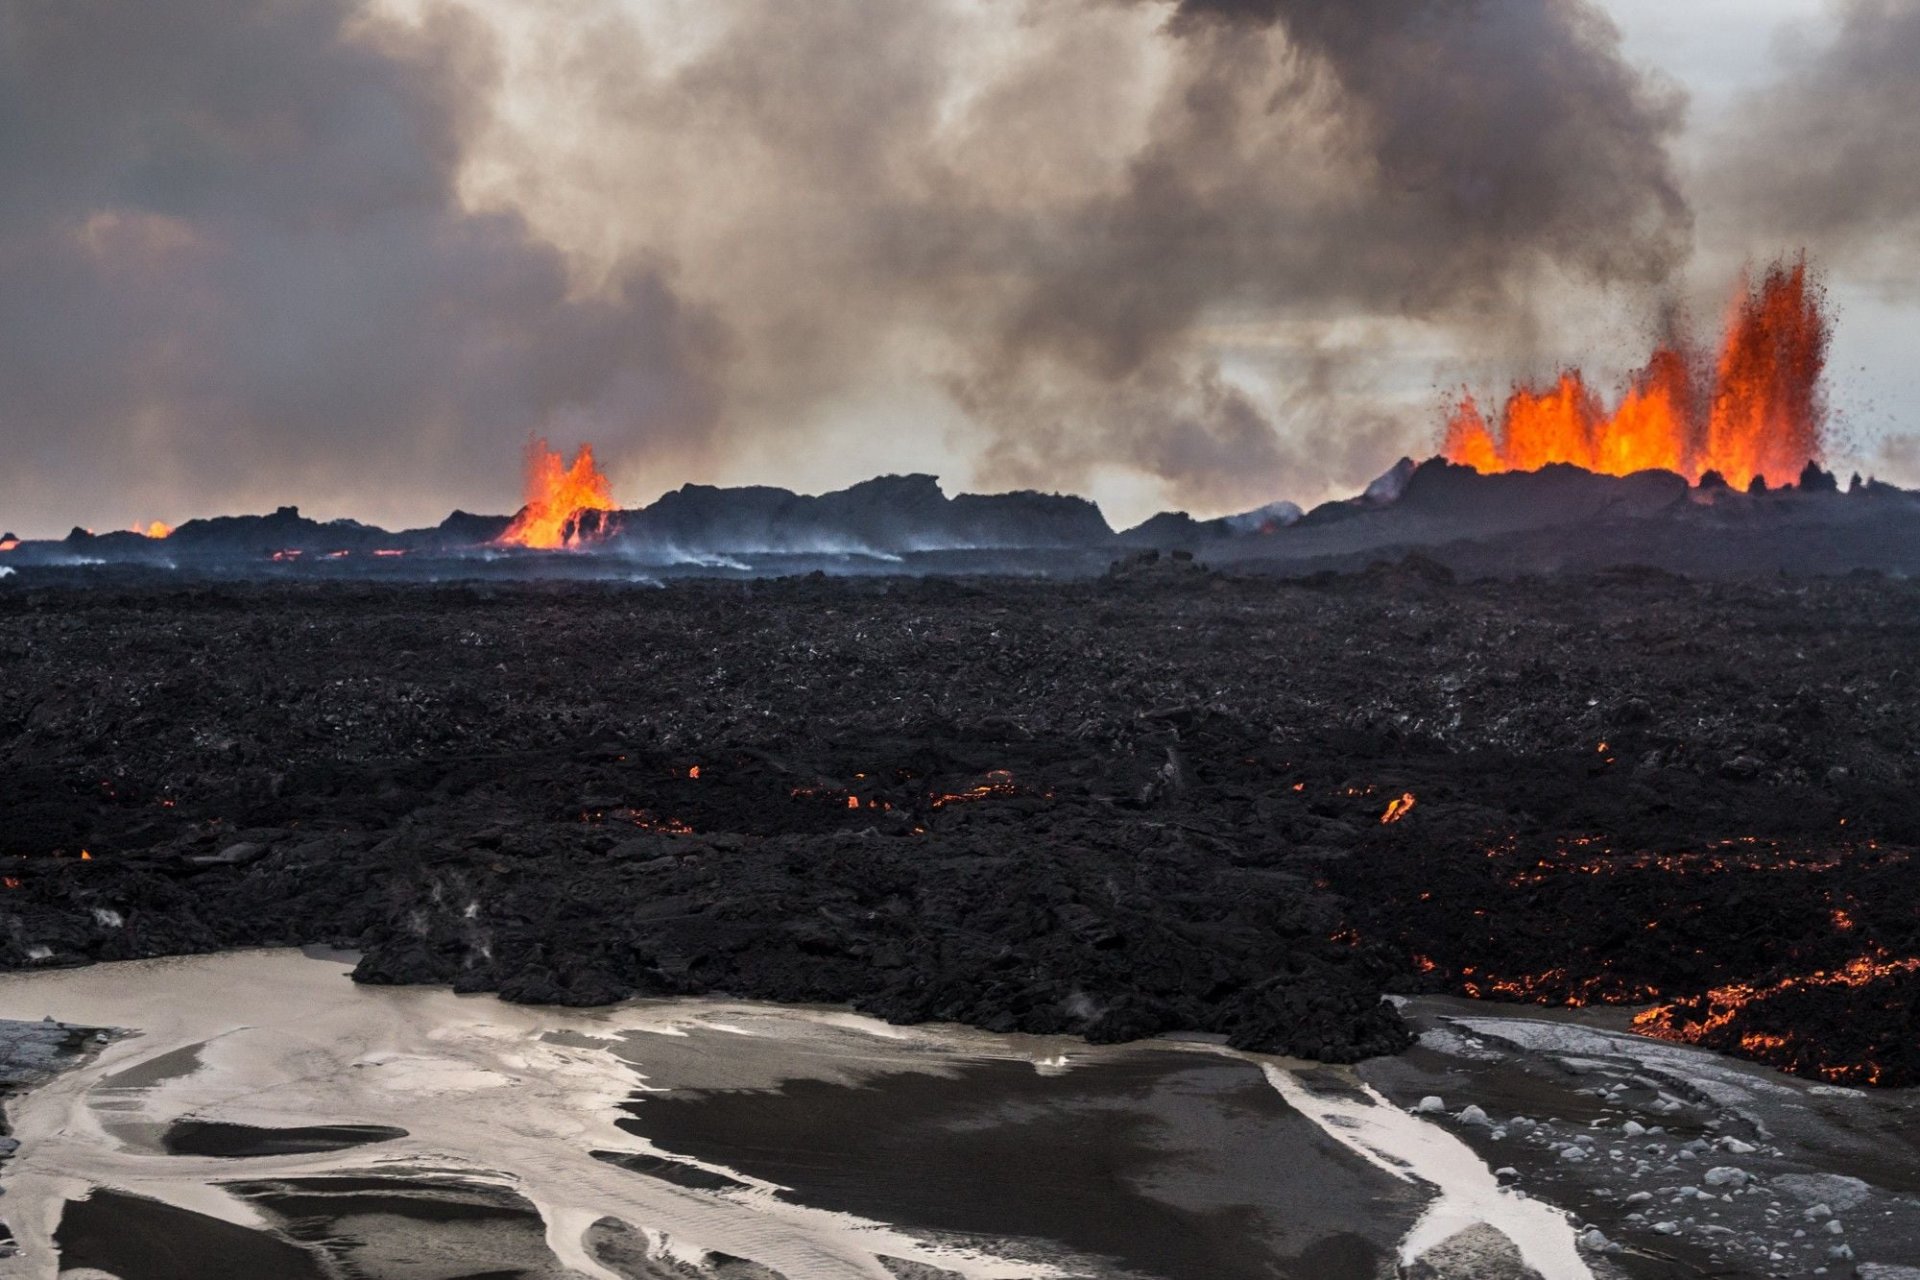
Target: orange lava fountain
(1757,412)
(557,492)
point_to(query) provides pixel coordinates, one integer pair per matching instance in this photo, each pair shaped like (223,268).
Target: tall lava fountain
(1755,411)
(558,492)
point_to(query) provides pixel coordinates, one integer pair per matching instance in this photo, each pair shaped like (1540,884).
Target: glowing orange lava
(1758,411)
(1696,1021)
(557,492)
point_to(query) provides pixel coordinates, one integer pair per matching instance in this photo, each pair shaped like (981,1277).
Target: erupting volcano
(1754,412)
(557,493)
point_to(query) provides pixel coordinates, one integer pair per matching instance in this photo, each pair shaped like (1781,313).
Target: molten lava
(557,492)
(1755,411)
(1706,1019)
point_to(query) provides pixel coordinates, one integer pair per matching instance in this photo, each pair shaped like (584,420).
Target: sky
(353,254)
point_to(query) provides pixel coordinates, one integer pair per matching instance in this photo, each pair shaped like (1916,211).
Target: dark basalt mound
(1146,803)
(889,514)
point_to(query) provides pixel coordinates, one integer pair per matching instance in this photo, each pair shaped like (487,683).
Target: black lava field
(1147,803)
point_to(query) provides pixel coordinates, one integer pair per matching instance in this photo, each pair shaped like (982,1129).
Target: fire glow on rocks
(557,492)
(1756,413)
(1719,1015)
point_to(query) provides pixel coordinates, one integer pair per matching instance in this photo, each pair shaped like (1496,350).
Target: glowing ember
(1757,412)
(557,492)
(1555,986)
(1398,809)
(1699,1021)
(998,782)
(645,819)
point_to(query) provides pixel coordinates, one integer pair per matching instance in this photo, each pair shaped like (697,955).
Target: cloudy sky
(1197,253)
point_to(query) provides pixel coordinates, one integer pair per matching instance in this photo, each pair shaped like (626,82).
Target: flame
(1757,412)
(1398,809)
(557,492)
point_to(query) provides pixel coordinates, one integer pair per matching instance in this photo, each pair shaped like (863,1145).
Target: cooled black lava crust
(1117,807)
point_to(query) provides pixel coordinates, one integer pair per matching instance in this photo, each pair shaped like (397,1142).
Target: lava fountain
(1755,411)
(558,492)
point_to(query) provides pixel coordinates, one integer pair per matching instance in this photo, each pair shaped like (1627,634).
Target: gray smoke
(234,269)
(295,252)
(1829,157)
(1326,158)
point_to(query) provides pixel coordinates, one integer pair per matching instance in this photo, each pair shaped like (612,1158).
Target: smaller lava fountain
(1756,411)
(557,493)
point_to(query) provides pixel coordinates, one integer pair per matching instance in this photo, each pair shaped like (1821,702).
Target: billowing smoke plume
(309,251)
(233,268)
(1830,155)
(1323,158)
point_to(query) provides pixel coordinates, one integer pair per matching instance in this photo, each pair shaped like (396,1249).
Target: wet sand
(264,1103)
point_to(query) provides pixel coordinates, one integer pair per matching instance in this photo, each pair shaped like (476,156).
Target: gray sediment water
(262,1103)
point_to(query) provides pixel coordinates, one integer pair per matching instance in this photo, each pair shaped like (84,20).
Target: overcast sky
(1196,253)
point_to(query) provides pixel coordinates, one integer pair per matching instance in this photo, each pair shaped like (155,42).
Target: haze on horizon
(1196,253)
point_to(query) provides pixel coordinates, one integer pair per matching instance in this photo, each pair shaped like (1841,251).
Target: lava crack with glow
(1754,412)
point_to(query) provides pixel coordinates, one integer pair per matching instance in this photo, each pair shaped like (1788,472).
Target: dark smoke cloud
(233,265)
(1327,157)
(235,258)
(1829,157)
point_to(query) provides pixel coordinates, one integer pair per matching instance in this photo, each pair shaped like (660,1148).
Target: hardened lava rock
(1154,802)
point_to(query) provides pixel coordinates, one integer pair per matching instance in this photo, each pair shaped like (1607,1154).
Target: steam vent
(938,640)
